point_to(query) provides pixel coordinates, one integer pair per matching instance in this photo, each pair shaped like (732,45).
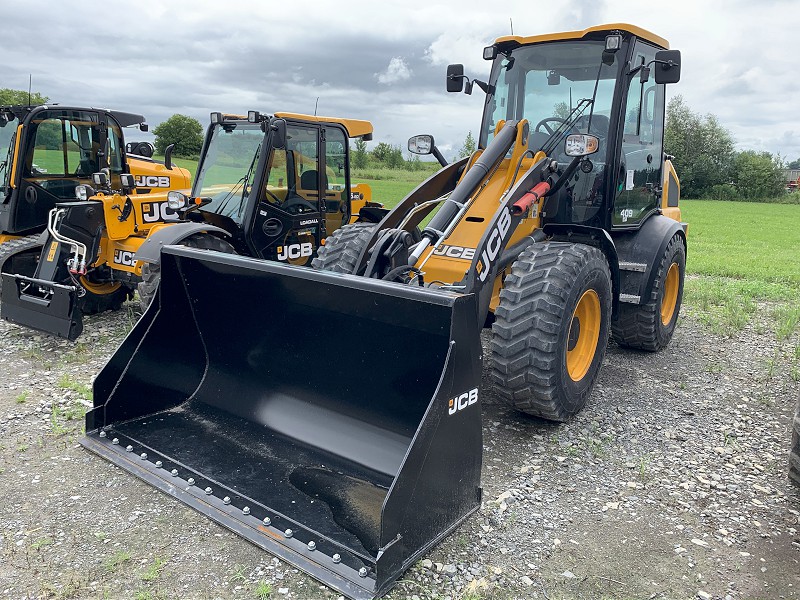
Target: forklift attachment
(42,305)
(332,420)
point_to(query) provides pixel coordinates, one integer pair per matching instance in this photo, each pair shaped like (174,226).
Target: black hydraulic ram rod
(487,161)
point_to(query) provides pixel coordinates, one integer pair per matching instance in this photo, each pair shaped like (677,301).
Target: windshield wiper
(247,179)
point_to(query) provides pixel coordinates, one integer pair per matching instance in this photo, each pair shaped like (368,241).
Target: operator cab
(569,86)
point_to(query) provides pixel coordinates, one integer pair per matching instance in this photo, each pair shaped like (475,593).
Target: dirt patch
(671,483)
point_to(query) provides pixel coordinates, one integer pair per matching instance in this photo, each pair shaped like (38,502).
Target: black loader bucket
(43,305)
(332,420)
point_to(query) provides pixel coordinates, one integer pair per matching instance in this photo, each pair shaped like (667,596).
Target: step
(632,266)
(630,298)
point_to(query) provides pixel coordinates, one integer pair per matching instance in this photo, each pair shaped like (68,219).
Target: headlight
(84,192)
(176,200)
(581,144)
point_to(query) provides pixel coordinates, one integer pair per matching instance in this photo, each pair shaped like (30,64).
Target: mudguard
(150,250)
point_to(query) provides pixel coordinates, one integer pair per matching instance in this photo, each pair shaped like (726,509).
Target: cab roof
(355,127)
(577,35)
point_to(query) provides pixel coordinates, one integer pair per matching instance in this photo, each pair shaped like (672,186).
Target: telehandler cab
(271,187)
(45,153)
(332,416)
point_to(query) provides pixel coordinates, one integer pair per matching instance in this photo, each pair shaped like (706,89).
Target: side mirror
(553,78)
(455,78)
(668,66)
(424,144)
(144,127)
(581,144)
(168,157)
(420,144)
(278,127)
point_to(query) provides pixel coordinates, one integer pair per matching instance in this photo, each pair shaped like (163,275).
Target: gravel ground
(670,484)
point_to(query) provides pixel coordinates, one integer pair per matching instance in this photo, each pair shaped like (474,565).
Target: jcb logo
(463,401)
(494,244)
(151,181)
(123,257)
(455,252)
(293,251)
(153,212)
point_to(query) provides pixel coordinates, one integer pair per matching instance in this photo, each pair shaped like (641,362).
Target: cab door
(288,224)
(63,148)
(638,184)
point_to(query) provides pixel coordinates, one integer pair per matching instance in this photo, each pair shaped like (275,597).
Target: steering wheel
(296,206)
(544,124)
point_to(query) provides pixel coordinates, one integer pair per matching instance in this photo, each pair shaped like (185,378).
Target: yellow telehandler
(333,415)
(271,194)
(45,153)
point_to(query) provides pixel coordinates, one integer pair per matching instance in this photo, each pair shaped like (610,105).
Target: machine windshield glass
(545,82)
(226,172)
(7,137)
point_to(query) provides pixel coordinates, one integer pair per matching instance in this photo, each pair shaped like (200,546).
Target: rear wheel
(650,326)
(343,247)
(20,256)
(551,328)
(151,272)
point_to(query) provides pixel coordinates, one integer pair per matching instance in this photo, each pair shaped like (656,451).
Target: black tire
(536,323)
(20,256)
(92,303)
(794,454)
(343,247)
(650,326)
(151,272)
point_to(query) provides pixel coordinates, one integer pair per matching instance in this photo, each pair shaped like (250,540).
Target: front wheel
(151,272)
(650,326)
(343,247)
(100,297)
(551,329)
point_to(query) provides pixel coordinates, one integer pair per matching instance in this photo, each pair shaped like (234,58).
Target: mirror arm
(438,156)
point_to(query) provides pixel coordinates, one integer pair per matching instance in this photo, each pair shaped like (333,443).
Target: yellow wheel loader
(332,415)
(271,187)
(46,153)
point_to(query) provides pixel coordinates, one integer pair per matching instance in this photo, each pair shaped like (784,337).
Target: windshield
(8,130)
(226,170)
(543,83)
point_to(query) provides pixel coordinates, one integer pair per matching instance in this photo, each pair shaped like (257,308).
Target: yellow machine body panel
(13,178)
(7,238)
(671,192)
(153,176)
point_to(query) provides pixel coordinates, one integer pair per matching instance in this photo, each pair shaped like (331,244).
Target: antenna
(511,21)
(30,85)
(316,104)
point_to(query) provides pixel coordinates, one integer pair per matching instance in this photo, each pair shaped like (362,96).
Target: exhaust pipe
(332,420)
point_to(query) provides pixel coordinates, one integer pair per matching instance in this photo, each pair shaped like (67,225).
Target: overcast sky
(382,60)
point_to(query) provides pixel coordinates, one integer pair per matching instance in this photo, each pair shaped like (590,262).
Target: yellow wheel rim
(101,289)
(669,300)
(584,333)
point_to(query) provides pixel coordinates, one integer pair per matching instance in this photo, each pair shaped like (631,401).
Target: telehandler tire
(650,326)
(151,273)
(551,329)
(794,454)
(99,298)
(343,247)
(12,251)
